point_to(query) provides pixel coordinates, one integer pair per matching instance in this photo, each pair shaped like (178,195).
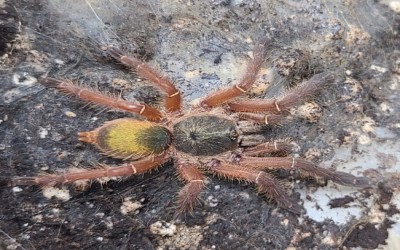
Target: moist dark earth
(202,45)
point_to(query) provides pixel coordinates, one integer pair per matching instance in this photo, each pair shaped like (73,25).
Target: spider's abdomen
(205,135)
(129,138)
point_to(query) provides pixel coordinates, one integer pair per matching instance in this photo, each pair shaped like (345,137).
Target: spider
(206,138)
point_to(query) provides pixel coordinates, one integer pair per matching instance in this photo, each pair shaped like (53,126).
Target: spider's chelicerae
(207,138)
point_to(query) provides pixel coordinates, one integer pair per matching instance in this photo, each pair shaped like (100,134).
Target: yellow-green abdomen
(129,138)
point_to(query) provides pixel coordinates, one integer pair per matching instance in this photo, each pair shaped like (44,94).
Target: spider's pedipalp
(188,197)
(126,169)
(268,147)
(98,98)
(289,99)
(266,183)
(263,119)
(305,168)
(173,98)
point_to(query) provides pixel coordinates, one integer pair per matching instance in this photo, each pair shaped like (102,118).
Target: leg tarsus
(188,197)
(271,187)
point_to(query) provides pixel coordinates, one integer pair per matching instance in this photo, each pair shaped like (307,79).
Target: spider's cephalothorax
(205,135)
(204,139)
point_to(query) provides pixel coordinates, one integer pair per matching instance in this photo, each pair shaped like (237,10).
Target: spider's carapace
(205,135)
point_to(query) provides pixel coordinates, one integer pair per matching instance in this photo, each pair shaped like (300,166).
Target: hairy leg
(173,101)
(290,98)
(126,169)
(268,147)
(262,119)
(97,98)
(266,183)
(188,197)
(221,96)
(305,168)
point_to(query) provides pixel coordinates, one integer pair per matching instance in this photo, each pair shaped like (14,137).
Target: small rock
(163,228)
(70,114)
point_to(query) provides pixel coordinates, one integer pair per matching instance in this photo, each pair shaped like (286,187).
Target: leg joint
(142,109)
(134,171)
(174,94)
(259,175)
(240,89)
(277,106)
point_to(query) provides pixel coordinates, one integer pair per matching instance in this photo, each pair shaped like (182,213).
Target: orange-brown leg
(268,147)
(102,99)
(266,184)
(262,119)
(305,168)
(221,96)
(287,100)
(126,169)
(188,197)
(173,101)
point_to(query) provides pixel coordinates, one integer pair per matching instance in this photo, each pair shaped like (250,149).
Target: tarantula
(206,138)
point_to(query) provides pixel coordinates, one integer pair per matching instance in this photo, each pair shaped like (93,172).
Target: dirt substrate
(353,125)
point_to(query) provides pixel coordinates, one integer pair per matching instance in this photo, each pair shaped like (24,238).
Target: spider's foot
(275,190)
(188,197)
(48,180)
(291,206)
(347,179)
(50,82)
(113,52)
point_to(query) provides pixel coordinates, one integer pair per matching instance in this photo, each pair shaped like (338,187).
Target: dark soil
(202,46)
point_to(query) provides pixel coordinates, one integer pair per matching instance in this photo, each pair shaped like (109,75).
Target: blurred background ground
(352,126)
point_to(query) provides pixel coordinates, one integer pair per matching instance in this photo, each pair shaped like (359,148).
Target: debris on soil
(352,125)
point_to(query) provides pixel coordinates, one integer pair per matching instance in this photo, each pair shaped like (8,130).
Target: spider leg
(173,101)
(287,100)
(263,119)
(305,168)
(126,169)
(268,147)
(221,96)
(188,197)
(102,99)
(266,183)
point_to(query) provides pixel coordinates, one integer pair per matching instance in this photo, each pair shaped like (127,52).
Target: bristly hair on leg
(98,98)
(305,90)
(284,102)
(189,195)
(266,183)
(305,168)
